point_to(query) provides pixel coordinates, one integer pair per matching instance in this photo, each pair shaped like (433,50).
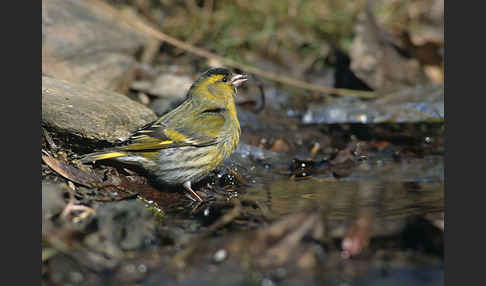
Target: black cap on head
(217,71)
(232,78)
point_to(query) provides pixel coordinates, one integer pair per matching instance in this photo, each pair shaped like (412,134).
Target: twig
(153,32)
(207,13)
(179,259)
(227,218)
(265,210)
(235,174)
(261,105)
(191,6)
(70,207)
(314,150)
(49,140)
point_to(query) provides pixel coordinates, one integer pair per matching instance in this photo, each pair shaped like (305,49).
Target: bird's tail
(102,156)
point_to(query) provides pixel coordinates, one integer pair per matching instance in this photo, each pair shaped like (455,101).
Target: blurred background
(368,44)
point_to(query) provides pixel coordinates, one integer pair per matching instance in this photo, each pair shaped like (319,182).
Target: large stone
(166,85)
(81,44)
(408,105)
(90,113)
(399,44)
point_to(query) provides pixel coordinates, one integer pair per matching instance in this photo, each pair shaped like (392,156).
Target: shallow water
(390,200)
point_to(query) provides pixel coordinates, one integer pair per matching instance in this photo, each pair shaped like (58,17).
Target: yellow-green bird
(186,144)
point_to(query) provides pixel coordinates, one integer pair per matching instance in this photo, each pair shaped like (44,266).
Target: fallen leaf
(72,173)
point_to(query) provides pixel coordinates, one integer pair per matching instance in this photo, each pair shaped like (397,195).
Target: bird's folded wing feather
(203,130)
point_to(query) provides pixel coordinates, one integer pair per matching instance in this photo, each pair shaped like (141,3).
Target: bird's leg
(187,186)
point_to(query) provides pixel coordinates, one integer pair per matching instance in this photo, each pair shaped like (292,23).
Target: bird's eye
(225,79)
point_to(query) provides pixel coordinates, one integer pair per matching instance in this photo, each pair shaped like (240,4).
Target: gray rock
(82,44)
(162,105)
(171,85)
(379,65)
(166,85)
(127,225)
(90,113)
(416,104)
(52,204)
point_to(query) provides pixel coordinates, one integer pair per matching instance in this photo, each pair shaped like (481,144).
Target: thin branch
(179,260)
(153,32)
(71,207)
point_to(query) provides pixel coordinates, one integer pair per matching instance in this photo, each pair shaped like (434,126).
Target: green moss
(154,208)
(268,28)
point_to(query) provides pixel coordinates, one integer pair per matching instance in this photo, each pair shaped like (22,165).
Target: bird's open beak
(238,79)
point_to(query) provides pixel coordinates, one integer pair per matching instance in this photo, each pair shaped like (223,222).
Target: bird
(183,146)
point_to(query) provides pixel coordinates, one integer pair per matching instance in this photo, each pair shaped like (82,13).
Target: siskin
(186,144)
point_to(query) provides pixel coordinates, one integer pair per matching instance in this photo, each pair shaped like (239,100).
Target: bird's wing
(170,132)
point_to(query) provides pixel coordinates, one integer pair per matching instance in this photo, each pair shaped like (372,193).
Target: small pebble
(267,282)
(220,255)
(76,277)
(142,268)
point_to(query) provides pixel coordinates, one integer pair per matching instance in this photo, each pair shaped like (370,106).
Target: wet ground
(348,204)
